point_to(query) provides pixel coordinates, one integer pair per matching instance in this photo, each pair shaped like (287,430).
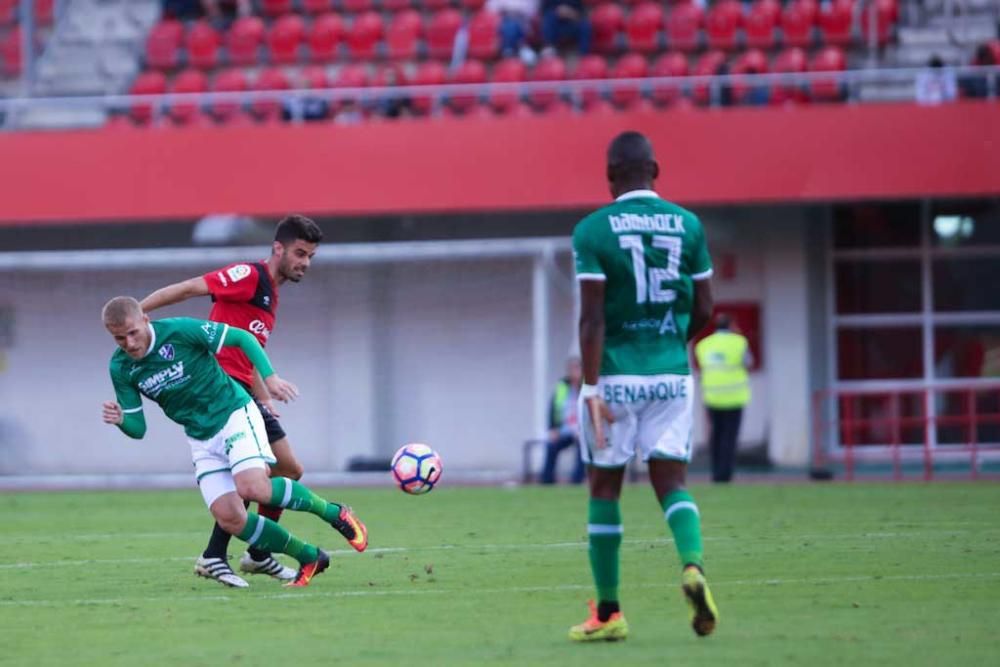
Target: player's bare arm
(591,351)
(112,413)
(704,303)
(279,389)
(171,294)
(261,393)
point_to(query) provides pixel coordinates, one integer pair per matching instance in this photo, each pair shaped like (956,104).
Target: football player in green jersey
(643,268)
(172,363)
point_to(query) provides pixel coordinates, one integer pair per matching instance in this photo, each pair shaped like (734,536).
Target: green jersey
(180,373)
(649,252)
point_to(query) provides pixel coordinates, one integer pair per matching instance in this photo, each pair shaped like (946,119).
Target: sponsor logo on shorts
(233,439)
(632,393)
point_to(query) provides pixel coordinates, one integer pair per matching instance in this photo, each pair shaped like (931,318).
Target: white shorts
(240,445)
(652,414)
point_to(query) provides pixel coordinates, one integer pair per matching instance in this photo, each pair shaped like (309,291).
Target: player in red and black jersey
(246,296)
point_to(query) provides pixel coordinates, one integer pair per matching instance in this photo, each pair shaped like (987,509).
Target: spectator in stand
(565,21)
(394,105)
(219,11)
(936,84)
(515,26)
(978,85)
(757,94)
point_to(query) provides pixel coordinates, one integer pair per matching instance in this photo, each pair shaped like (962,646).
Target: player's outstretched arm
(171,294)
(279,389)
(132,424)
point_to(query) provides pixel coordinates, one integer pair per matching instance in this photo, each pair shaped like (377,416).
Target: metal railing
(842,86)
(952,421)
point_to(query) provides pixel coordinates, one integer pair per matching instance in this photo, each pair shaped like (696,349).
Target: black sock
(605,609)
(218,544)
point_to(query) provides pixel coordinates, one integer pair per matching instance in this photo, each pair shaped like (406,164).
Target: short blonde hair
(119,309)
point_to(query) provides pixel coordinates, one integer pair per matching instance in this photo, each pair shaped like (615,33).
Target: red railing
(945,422)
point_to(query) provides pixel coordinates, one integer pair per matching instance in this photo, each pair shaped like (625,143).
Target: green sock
(266,535)
(682,517)
(604,532)
(297,497)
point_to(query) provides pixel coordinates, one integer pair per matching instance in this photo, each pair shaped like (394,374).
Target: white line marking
(479,547)
(493,591)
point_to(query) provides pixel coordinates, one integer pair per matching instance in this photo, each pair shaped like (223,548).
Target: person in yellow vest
(724,358)
(564,427)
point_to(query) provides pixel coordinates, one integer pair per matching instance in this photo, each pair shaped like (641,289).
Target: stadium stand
(457,41)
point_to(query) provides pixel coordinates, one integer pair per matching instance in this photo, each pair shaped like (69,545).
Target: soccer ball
(416,468)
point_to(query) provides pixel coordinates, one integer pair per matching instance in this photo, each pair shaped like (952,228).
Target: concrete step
(918,56)
(886,92)
(43,118)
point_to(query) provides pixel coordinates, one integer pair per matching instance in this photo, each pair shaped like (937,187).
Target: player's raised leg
(258,531)
(254,484)
(604,534)
(681,513)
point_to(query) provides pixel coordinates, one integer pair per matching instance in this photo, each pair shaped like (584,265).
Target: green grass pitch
(863,574)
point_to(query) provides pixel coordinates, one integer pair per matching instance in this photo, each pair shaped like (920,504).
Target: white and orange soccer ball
(416,468)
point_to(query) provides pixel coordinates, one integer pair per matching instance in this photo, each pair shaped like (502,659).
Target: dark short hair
(630,155)
(723,321)
(294,227)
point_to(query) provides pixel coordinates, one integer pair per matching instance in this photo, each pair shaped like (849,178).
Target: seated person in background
(515,26)
(218,11)
(564,425)
(978,85)
(565,21)
(936,84)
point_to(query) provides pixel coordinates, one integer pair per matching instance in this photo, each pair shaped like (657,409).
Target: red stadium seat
(202,43)
(435,5)
(591,68)
(607,21)
(324,37)
(629,66)
(243,40)
(163,44)
(441,33)
(510,70)
(749,62)
(684,23)
(350,76)
(885,17)
(471,71)
(284,39)
(484,35)
(829,59)
(269,79)
(789,61)
(797,23)
(642,29)
(313,76)
(147,83)
(357,6)
(472,5)
(428,74)
(707,65)
(44,12)
(760,23)
(274,8)
(668,65)
(317,7)
(835,22)
(365,33)
(550,68)
(403,34)
(9,11)
(188,81)
(227,81)
(722,22)
(396,5)
(389,75)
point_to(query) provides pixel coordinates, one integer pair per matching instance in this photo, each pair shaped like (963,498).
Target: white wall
(384,354)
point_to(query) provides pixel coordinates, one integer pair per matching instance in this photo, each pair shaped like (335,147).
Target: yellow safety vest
(725,383)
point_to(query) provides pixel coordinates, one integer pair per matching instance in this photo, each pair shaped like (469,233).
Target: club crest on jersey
(238,272)
(167,352)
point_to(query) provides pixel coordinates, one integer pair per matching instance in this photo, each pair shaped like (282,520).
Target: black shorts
(271,424)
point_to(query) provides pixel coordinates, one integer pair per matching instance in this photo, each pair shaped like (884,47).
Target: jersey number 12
(649,282)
